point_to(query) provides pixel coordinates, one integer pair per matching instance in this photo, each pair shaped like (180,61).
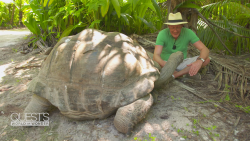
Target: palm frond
(228,8)
(234,42)
(229,19)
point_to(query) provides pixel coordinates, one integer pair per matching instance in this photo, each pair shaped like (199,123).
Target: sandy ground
(177,115)
(12,37)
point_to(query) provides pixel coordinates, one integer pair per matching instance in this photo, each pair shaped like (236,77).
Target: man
(176,38)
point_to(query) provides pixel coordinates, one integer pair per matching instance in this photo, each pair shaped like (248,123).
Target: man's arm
(157,55)
(204,54)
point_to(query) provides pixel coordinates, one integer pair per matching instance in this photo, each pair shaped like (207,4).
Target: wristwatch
(201,59)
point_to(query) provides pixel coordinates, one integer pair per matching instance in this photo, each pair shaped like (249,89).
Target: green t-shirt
(166,40)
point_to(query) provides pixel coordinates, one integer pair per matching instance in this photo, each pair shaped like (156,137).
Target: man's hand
(157,55)
(194,67)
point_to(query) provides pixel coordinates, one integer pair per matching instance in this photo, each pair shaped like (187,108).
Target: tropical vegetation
(231,21)
(11,14)
(53,19)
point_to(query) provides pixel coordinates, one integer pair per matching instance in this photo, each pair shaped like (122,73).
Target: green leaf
(30,27)
(94,22)
(25,7)
(147,23)
(80,24)
(142,9)
(187,4)
(190,5)
(214,127)
(50,2)
(117,7)
(124,16)
(151,6)
(225,21)
(66,32)
(92,5)
(157,8)
(134,3)
(105,7)
(78,12)
(45,3)
(248,5)
(227,98)
(125,8)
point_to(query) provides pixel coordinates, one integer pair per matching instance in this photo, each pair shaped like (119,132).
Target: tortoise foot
(36,107)
(128,116)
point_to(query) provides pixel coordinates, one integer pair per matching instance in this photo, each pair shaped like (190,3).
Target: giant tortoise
(95,74)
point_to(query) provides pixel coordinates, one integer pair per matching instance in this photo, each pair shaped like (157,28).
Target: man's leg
(186,69)
(182,72)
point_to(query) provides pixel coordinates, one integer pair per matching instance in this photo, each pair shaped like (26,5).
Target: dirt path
(177,115)
(12,37)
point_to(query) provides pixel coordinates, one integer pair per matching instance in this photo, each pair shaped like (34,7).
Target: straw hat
(175,19)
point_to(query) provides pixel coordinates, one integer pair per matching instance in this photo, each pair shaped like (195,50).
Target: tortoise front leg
(166,72)
(129,115)
(37,105)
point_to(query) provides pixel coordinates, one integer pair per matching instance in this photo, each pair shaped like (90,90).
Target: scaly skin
(128,116)
(37,105)
(166,72)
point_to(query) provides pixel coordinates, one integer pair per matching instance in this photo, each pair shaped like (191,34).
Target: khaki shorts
(186,62)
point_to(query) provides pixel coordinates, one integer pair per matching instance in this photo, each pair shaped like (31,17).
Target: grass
(148,138)
(14,50)
(197,128)
(50,133)
(14,133)
(186,109)
(245,109)
(227,98)
(173,98)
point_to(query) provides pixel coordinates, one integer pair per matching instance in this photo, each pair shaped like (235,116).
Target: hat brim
(177,23)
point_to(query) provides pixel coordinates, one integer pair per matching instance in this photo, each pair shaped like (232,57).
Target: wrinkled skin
(92,74)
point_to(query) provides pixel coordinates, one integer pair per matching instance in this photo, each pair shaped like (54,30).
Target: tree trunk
(169,11)
(20,18)
(20,15)
(187,14)
(9,8)
(12,15)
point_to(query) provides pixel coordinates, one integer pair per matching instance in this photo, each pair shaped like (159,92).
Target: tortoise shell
(91,74)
